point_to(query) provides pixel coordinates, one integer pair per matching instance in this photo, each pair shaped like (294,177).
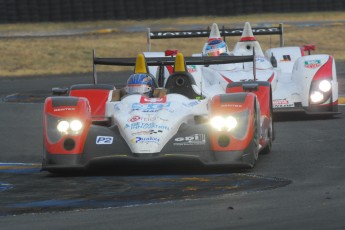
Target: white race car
(96,124)
(300,82)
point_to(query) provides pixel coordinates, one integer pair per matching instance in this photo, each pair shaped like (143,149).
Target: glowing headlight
(63,126)
(220,123)
(316,97)
(230,123)
(217,122)
(325,86)
(76,125)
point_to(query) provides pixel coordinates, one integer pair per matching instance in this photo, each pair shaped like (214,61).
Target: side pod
(263,91)
(237,114)
(66,124)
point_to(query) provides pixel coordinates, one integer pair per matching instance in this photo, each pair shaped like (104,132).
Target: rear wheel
(268,147)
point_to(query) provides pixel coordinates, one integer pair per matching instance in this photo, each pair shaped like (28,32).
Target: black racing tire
(271,131)
(255,140)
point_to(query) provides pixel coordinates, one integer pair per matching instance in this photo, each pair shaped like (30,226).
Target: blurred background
(86,10)
(47,37)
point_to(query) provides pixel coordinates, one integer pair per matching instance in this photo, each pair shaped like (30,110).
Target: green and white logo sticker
(312,64)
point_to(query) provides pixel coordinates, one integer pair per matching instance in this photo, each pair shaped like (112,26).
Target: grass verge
(73,54)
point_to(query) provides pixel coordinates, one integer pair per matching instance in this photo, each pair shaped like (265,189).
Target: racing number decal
(104,140)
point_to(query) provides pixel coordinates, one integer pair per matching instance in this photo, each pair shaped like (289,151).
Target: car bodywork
(92,125)
(300,82)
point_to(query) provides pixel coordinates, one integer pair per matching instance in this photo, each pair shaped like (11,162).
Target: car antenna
(94,67)
(254,64)
(201,87)
(270,41)
(242,63)
(223,30)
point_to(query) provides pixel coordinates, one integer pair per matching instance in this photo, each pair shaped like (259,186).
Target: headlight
(230,123)
(65,126)
(217,122)
(316,97)
(76,125)
(325,86)
(221,123)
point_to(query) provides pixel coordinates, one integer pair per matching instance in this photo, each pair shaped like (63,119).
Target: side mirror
(60,91)
(171,53)
(273,61)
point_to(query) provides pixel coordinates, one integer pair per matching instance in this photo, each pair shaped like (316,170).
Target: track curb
(341,100)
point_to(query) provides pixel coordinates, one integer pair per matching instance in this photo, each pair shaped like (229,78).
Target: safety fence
(12,11)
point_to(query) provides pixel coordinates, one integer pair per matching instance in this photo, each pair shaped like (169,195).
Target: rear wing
(278,30)
(170,61)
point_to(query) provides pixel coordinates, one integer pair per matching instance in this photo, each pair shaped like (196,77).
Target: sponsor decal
(104,140)
(281,103)
(147,132)
(134,118)
(148,118)
(191,68)
(232,105)
(260,59)
(195,139)
(118,107)
(182,33)
(192,103)
(206,33)
(64,109)
(147,125)
(145,140)
(145,100)
(151,107)
(312,64)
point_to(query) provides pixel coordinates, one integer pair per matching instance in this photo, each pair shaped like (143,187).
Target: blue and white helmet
(215,47)
(141,84)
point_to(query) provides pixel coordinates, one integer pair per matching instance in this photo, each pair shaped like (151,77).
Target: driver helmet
(141,84)
(215,47)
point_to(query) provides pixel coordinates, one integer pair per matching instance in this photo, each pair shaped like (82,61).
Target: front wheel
(255,140)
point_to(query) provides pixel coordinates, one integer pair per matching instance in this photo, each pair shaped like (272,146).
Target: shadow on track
(32,191)
(173,168)
(283,117)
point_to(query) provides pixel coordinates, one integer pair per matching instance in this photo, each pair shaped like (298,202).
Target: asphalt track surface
(299,185)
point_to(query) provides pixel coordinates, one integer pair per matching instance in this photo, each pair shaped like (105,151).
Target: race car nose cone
(247,34)
(214,34)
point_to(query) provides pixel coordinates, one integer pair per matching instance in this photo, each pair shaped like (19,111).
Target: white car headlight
(221,123)
(316,97)
(63,126)
(230,123)
(76,125)
(217,122)
(325,86)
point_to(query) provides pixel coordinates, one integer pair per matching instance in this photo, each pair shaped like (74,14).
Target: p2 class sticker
(104,140)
